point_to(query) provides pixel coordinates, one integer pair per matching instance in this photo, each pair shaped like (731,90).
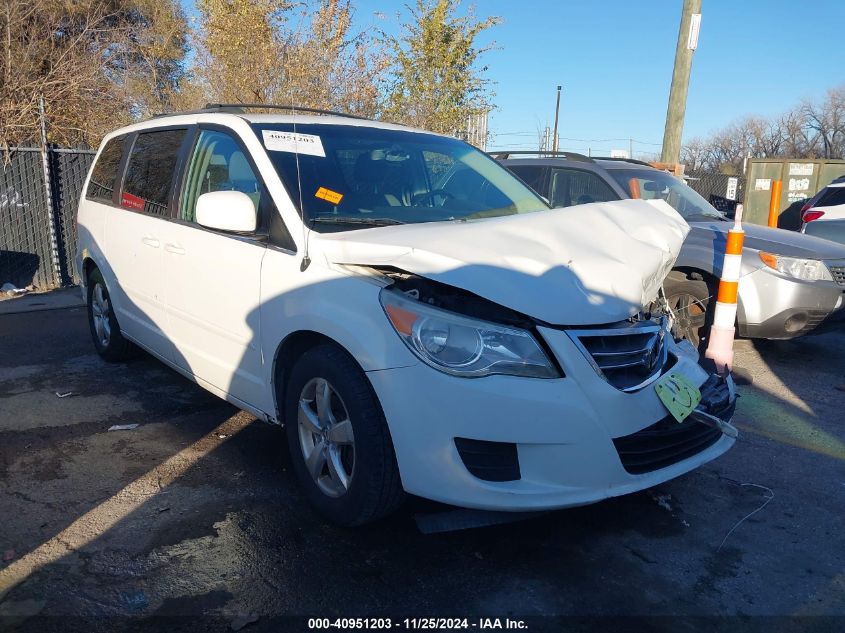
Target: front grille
(665,443)
(838,273)
(491,461)
(627,355)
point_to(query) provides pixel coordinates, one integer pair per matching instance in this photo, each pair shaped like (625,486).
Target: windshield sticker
(293,142)
(328,195)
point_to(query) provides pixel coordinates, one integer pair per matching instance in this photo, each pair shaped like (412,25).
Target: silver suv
(791,284)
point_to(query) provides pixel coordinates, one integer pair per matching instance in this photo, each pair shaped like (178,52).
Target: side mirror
(227,211)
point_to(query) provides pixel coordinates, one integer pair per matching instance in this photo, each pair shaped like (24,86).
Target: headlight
(462,346)
(804,269)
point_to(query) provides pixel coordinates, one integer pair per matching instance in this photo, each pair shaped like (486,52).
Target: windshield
(652,184)
(355,177)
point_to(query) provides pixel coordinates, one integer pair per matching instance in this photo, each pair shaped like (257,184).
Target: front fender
(341,307)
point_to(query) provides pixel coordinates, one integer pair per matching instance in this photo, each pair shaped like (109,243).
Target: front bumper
(774,306)
(565,432)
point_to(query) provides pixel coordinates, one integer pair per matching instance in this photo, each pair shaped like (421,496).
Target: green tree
(435,80)
(272,51)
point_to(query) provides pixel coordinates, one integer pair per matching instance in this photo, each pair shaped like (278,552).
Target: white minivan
(417,318)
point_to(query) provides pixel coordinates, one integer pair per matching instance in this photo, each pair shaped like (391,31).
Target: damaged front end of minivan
(550,376)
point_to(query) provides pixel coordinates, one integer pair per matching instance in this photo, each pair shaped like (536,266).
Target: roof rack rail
(504,154)
(623,160)
(240,108)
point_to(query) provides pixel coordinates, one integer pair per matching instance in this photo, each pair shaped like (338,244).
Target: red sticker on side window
(132,202)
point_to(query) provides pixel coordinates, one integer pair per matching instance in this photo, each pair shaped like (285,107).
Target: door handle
(174,248)
(150,240)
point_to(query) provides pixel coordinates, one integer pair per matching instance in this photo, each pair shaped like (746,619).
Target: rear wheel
(690,301)
(105,330)
(338,438)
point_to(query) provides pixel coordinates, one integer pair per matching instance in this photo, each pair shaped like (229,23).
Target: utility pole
(687,43)
(557,111)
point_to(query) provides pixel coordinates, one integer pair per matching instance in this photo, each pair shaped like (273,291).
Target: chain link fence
(722,191)
(38,215)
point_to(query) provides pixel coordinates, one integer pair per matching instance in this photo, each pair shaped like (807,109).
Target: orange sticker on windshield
(328,195)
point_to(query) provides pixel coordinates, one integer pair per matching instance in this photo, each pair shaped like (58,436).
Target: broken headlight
(463,346)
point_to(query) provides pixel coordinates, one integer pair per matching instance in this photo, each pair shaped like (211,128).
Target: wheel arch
(712,281)
(696,273)
(289,350)
(88,266)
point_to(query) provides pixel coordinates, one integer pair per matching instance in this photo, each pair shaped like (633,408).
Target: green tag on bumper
(678,395)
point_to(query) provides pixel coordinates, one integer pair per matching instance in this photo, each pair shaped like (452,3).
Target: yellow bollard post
(774,204)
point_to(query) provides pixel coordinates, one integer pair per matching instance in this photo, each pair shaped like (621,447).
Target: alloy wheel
(100,312)
(326,437)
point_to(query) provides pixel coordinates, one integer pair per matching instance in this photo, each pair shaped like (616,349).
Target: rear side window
(832,197)
(104,174)
(532,175)
(571,187)
(150,172)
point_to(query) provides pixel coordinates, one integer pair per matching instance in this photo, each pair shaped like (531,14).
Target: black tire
(692,301)
(111,346)
(374,487)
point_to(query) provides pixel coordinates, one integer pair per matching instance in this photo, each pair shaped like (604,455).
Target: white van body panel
(218,307)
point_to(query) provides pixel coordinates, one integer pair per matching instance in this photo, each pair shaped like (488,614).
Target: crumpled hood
(590,264)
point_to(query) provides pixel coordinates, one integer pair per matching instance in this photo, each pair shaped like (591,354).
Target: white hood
(590,264)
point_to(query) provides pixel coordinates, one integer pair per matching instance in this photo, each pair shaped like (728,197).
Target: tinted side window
(532,175)
(832,197)
(104,174)
(571,187)
(149,175)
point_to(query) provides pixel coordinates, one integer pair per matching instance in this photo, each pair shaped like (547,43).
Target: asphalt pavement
(192,519)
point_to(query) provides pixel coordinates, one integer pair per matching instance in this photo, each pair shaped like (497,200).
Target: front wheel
(690,302)
(338,438)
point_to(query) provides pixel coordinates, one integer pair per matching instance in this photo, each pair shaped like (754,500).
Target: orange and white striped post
(721,341)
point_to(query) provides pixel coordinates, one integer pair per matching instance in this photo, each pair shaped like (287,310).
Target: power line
(580,140)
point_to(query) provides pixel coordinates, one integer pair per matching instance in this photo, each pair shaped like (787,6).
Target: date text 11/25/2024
(417,624)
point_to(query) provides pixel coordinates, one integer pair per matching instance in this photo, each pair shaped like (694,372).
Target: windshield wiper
(342,219)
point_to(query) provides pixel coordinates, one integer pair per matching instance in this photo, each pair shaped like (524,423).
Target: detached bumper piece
(668,442)
(490,461)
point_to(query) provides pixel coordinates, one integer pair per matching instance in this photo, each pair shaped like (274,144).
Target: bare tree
(814,129)
(96,63)
(826,121)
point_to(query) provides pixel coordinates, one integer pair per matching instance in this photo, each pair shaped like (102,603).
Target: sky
(614,60)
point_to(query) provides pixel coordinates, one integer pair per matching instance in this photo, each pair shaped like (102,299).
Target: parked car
(416,317)
(824,214)
(790,284)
